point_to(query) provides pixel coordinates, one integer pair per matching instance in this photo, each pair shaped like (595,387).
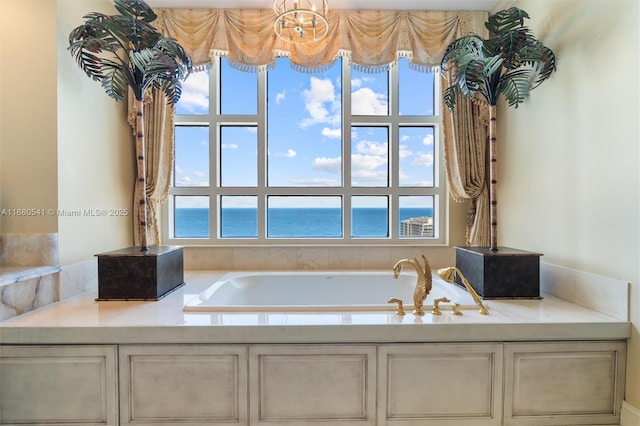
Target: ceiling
(337,4)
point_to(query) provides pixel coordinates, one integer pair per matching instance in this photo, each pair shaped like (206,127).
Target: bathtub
(310,291)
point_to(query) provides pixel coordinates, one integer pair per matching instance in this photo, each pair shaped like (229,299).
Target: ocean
(290,222)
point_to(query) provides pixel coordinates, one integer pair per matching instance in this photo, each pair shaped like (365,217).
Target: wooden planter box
(507,273)
(132,274)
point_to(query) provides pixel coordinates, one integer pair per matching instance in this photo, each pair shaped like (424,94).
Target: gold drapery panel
(466,135)
(371,38)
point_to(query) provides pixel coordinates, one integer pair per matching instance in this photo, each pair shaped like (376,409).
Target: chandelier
(298,21)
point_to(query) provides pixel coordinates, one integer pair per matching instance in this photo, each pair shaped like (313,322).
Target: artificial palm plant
(511,63)
(124,52)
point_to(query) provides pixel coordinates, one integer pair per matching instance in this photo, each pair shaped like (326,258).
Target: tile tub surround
(18,249)
(81,319)
(28,272)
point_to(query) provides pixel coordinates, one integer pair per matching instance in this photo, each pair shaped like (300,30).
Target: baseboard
(629,415)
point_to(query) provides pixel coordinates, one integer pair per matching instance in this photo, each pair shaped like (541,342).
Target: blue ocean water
(290,222)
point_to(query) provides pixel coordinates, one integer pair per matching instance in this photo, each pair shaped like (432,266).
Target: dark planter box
(132,274)
(506,273)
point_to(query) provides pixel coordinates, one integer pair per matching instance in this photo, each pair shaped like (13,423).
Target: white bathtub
(319,291)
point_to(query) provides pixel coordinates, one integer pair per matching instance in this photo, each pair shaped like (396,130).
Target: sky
(304,130)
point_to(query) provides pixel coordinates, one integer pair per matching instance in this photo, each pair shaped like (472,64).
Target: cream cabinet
(196,385)
(576,383)
(440,384)
(395,384)
(305,385)
(58,385)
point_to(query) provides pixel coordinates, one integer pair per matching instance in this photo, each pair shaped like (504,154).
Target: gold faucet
(449,275)
(423,286)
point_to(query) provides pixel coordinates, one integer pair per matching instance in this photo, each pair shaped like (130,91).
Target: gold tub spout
(449,275)
(423,286)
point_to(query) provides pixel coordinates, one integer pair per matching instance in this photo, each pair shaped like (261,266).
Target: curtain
(466,137)
(372,39)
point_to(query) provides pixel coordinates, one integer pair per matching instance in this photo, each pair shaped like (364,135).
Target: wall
(568,173)
(28,116)
(95,151)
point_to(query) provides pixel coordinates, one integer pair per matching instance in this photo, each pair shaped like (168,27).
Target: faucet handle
(436,307)
(455,309)
(400,310)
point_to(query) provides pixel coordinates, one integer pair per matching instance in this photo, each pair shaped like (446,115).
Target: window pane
(191,216)
(416,156)
(369,156)
(238,90)
(415,216)
(238,156)
(304,121)
(238,217)
(195,94)
(415,90)
(191,156)
(369,217)
(369,93)
(298,217)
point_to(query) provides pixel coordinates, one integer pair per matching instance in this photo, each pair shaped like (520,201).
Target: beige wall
(28,117)
(569,157)
(95,151)
(65,145)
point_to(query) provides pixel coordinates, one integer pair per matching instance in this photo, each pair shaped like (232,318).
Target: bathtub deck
(82,320)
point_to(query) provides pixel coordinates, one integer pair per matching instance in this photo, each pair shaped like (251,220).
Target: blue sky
(304,129)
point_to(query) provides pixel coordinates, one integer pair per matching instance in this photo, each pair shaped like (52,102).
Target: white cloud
(356,82)
(229,146)
(404,138)
(365,101)
(332,133)
(423,159)
(372,148)
(290,153)
(315,182)
(404,152)
(331,165)
(179,170)
(198,173)
(184,181)
(320,102)
(280,97)
(195,92)
(428,140)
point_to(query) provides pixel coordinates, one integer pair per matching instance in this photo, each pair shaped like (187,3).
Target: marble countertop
(82,320)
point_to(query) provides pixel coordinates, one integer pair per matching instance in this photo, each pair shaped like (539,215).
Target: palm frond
(515,85)
(126,50)
(510,63)
(506,20)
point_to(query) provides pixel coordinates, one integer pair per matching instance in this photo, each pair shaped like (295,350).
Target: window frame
(393,121)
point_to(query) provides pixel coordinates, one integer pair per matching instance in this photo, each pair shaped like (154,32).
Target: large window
(284,157)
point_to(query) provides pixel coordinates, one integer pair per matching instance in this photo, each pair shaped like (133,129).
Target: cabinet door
(58,385)
(301,385)
(188,384)
(440,384)
(564,383)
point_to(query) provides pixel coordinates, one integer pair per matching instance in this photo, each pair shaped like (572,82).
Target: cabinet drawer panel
(58,385)
(440,384)
(556,382)
(298,384)
(188,384)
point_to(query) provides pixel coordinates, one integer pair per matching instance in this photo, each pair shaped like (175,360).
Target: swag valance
(372,39)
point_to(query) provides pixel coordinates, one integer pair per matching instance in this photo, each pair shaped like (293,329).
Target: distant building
(417,227)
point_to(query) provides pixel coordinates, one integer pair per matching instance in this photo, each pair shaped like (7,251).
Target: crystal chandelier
(298,21)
